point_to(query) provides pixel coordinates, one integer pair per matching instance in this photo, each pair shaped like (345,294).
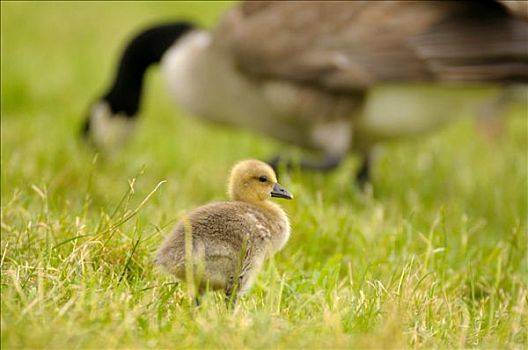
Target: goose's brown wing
(352,45)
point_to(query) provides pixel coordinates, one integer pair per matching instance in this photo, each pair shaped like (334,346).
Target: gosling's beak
(280,192)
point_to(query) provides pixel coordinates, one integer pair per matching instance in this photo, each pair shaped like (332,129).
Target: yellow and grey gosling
(227,242)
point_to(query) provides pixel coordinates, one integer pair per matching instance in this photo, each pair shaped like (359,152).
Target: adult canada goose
(327,76)
(224,244)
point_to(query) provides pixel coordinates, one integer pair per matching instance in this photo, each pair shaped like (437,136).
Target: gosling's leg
(235,289)
(231,299)
(231,292)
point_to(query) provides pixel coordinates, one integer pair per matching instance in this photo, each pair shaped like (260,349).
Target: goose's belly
(396,111)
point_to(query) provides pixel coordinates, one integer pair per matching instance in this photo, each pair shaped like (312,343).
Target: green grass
(435,257)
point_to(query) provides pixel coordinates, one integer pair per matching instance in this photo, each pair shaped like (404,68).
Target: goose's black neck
(143,50)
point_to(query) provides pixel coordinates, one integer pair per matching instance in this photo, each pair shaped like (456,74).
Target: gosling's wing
(352,45)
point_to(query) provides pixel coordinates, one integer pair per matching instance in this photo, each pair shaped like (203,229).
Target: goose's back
(354,44)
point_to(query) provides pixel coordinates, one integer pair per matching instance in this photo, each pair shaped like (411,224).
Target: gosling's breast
(271,223)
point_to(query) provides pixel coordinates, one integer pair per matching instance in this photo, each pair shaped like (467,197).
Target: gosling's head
(254,181)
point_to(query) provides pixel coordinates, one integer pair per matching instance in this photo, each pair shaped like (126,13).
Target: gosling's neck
(267,204)
(271,207)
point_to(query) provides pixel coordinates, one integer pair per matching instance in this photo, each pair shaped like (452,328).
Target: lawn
(434,257)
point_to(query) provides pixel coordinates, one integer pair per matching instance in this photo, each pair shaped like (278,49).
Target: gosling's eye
(263,178)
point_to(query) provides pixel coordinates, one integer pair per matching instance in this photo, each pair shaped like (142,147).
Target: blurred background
(455,189)
(58,62)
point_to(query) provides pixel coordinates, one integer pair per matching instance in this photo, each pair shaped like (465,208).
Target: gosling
(227,242)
